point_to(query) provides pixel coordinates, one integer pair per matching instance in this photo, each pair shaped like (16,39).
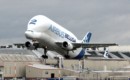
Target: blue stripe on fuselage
(81,54)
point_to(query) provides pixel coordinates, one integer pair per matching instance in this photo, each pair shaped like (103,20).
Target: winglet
(87,37)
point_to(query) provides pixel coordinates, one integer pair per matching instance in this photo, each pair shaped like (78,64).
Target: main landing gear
(45,52)
(67,55)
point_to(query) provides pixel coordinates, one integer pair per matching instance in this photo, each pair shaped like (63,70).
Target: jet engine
(31,46)
(67,45)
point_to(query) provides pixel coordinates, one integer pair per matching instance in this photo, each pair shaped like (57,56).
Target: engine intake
(29,45)
(66,45)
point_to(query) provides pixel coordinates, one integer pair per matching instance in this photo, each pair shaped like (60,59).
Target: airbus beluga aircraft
(49,35)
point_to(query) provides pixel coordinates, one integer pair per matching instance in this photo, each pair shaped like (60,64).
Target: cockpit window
(33,21)
(30,30)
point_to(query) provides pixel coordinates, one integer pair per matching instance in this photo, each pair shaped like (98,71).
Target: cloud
(106,19)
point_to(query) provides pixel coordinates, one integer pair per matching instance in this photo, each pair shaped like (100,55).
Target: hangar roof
(17,57)
(41,66)
(16,54)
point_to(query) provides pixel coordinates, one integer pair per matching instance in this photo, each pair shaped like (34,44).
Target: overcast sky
(108,20)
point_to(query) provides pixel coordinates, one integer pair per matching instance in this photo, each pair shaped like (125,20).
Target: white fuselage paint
(47,32)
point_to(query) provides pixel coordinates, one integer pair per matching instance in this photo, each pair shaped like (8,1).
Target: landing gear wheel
(45,51)
(45,56)
(67,56)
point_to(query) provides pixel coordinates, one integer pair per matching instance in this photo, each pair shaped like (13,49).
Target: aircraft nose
(32,34)
(29,34)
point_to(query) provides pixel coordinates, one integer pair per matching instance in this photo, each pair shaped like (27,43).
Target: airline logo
(60,33)
(87,37)
(33,21)
(57,31)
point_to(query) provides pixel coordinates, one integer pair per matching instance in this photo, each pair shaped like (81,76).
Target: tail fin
(86,40)
(106,54)
(87,37)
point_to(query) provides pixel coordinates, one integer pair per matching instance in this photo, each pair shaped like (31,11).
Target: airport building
(116,52)
(23,64)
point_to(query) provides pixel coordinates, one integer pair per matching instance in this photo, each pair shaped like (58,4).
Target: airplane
(95,53)
(106,54)
(49,35)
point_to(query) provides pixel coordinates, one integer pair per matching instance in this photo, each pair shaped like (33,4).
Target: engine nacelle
(30,45)
(67,45)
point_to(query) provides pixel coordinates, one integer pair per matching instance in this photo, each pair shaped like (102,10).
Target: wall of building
(16,67)
(97,64)
(32,72)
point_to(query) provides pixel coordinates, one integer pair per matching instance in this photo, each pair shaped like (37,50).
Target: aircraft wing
(90,45)
(19,45)
(75,45)
(28,45)
(93,45)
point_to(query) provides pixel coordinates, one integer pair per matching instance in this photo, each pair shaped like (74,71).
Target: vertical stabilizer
(86,40)
(87,37)
(106,54)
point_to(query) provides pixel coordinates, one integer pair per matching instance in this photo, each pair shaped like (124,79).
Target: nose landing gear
(45,52)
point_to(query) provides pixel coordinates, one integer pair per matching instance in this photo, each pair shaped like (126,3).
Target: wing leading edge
(90,45)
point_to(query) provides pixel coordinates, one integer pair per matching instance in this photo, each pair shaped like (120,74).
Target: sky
(108,20)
